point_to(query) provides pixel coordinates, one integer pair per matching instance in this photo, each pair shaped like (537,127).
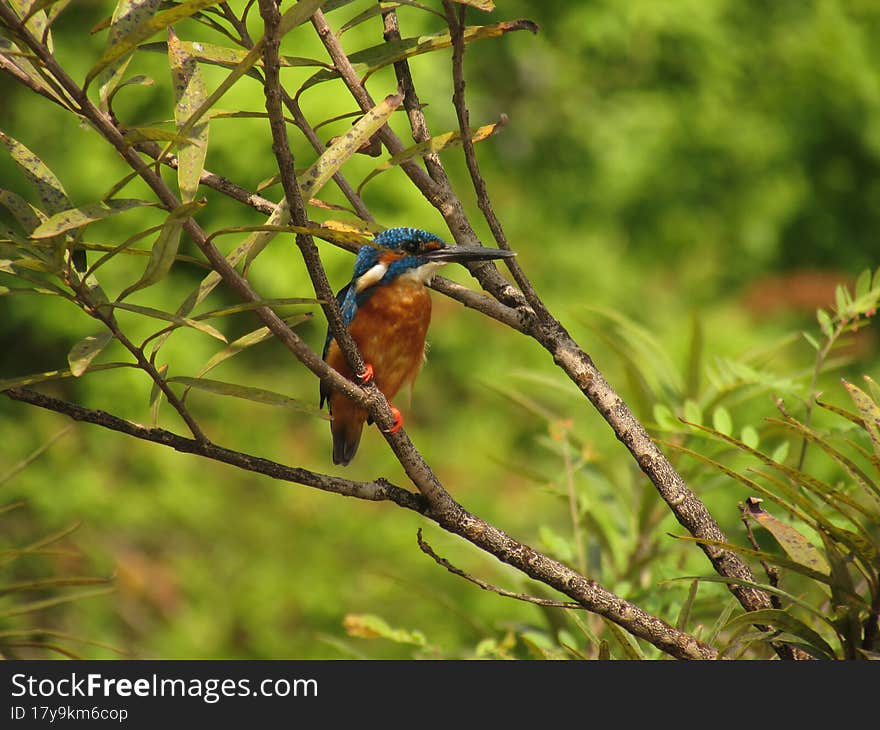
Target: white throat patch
(423,273)
(371,276)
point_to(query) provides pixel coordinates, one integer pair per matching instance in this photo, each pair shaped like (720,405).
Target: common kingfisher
(386,308)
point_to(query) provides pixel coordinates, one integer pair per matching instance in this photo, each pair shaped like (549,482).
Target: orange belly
(389,330)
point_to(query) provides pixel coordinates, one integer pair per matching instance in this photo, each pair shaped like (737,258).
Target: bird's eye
(411,246)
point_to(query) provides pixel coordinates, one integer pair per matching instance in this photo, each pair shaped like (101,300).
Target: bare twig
(428,550)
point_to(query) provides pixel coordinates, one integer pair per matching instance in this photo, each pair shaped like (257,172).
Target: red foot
(398,421)
(367,375)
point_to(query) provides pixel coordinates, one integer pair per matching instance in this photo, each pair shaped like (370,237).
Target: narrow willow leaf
(773,559)
(825,322)
(786,622)
(812,341)
(164,251)
(127,42)
(28,218)
(156,396)
(795,544)
(23,62)
(83,352)
(189,93)
(684,614)
(22,608)
(436,144)
(863,284)
(128,15)
(134,135)
(229,57)
(51,375)
(370,60)
(851,468)
(294,16)
(249,340)
(631,649)
(257,395)
(869,412)
(168,317)
(67,220)
(49,187)
(315,177)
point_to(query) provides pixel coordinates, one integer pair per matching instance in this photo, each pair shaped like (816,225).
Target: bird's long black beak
(464,254)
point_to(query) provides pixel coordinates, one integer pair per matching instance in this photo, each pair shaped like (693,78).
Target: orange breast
(390,330)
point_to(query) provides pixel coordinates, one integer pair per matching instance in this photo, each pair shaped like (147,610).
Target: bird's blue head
(405,252)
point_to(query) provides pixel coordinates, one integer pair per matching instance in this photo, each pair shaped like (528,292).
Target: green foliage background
(662,163)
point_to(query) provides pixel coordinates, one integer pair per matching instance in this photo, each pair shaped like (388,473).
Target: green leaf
(750,437)
(129,39)
(257,395)
(168,317)
(869,412)
(813,342)
(369,626)
(721,421)
(84,351)
(316,176)
(28,218)
(795,544)
(67,220)
(780,453)
(487,6)
(297,14)
(631,649)
(164,251)
(189,93)
(127,16)
(156,396)
(684,613)
(664,418)
(436,144)
(370,60)
(51,375)
(863,284)
(786,622)
(249,340)
(825,322)
(228,57)
(49,187)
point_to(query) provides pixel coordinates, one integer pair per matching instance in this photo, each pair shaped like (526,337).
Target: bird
(387,309)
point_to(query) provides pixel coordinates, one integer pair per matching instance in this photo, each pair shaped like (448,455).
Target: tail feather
(347,426)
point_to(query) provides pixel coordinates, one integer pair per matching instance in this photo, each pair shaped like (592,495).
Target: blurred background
(685,183)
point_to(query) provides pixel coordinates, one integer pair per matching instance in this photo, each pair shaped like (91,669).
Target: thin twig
(428,550)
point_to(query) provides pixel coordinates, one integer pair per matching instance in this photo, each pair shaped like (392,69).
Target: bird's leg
(398,421)
(367,374)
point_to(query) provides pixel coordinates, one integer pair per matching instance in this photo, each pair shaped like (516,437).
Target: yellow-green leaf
(370,60)
(128,15)
(795,544)
(129,40)
(50,375)
(869,412)
(49,187)
(257,395)
(84,351)
(369,626)
(786,622)
(164,251)
(189,93)
(435,144)
(168,317)
(83,215)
